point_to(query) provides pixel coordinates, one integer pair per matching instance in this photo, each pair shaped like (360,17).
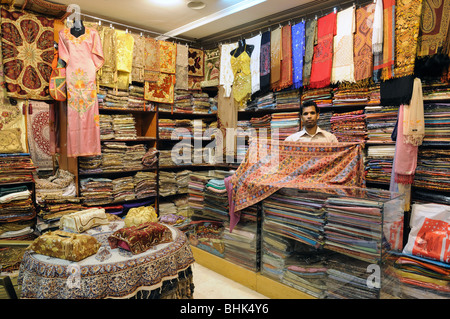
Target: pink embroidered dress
(83,56)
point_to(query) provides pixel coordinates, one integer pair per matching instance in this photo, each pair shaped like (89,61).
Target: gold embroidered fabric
(434,26)
(137,71)
(151,60)
(65,245)
(242,85)
(167,56)
(140,215)
(109,43)
(83,220)
(10,141)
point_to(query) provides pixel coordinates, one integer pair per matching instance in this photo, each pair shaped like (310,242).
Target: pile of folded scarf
(167,183)
(53,207)
(378,163)
(166,127)
(215,203)
(381,121)
(165,158)
(262,125)
(124,126)
(433,169)
(324,121)
(136,99)
(196,185)
(323,97)
(16,168)
(182,179)
(284,124)
(150,158)
(123,189)
(113,99)
(144,184)
(61,184)
(349,126)
(437,124)
(263,102)
(16,204)
(275,250)
(96,191)
(350,97)
(106,127)
(201,103)
(436,91)
(287,99)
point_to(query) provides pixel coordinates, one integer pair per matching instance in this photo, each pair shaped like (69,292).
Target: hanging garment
(255,61)
(387,67)
(286,58)
(212,68)
(151,60)
(343,67)
(298,53)
(242,86)
(407,23)
(363,58)
(83,57)
(264,70)
(275,57)
(182,67)
(310,41)
(107,74)
(167,56)
(413,117)
(137,71)
(323,52)
(195,62)
(377,40)
(27,49)
(226,76)
(124,60)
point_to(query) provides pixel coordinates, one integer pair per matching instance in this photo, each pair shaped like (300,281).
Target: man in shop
(311,132)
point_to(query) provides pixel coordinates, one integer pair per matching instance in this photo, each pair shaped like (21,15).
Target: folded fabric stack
(324,121)
(374,95)
(52,208)
(167,183)
(11,258)
(164,107)
(183,128)
(275,250)
(136,99)
(123,189)
(354,227)
(196,186)
(295,214)
(106,127)
(182,205)
(150,158)
(381,121)
(167,207)
(16,168)
(144,184)
(262,125)
(165,158)
(349,126)
(200,103)
(436,91)
(242,245)
(414,277)
(182,180)
(183,101)
(347,279)
(215,201)
(350,96)
(322,97)
(284,124)
(166,127)
(133,156)
(437,124)
(124,126)
(263,102)
(115,99)
(379,162)
(213,104)
(18,230)
(243,133)
(61,184)
(112,156)
(287,99)
(433,169)
(207,236)
(96,191)
(90,164)
(16,204)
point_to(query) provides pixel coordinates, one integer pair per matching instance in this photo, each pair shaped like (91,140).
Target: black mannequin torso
(76,31)
(241,47)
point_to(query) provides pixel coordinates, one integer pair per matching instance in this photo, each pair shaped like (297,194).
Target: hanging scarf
(181,71)
(363,42)
(388,39)
(298,53)
(396,91)
(323,52)
(286,58)
(377,41)
(343,68)
(310,41)
(407,17)
(226,76)
(151,60)
(255,61)
(275,57)
(413,117)
(264,79)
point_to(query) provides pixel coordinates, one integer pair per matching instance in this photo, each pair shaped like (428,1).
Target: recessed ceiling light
(196,5)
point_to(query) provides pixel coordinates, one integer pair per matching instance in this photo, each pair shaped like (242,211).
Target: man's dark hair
(309,103)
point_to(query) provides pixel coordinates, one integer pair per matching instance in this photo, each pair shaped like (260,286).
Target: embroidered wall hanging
(151,60)
(27,48)
(195,62)
(212,68)
(167,57)
(161,91)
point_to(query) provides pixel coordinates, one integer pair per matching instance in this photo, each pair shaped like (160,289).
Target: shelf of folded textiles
(372,142)
(271,110)
(137,139)
(126,110)
(187,166)
(185,138)
(437,99)
(186,114)
(123,171)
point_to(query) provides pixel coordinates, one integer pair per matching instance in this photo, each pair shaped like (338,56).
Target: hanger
(75,15)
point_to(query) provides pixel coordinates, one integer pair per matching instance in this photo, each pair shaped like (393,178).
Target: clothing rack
(132,27)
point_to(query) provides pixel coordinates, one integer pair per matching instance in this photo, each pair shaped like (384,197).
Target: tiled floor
(211,285)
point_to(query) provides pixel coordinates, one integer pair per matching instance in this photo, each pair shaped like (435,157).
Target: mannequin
(241,46)
(78,28)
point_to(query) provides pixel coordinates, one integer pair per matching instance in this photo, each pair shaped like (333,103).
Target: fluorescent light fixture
(210,18)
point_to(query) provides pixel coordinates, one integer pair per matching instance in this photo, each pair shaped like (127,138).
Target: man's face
(310,117)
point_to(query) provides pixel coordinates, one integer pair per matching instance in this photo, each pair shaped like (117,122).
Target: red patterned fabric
(268,168)
(323,52)
(27,47)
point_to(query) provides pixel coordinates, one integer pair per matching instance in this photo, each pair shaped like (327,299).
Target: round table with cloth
(161,272)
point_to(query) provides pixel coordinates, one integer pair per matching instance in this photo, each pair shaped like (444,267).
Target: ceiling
(216,22)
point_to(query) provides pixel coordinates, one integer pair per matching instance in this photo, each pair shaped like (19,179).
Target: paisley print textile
(27,48)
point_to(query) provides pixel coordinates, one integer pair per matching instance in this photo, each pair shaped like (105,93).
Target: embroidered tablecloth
(122,275)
